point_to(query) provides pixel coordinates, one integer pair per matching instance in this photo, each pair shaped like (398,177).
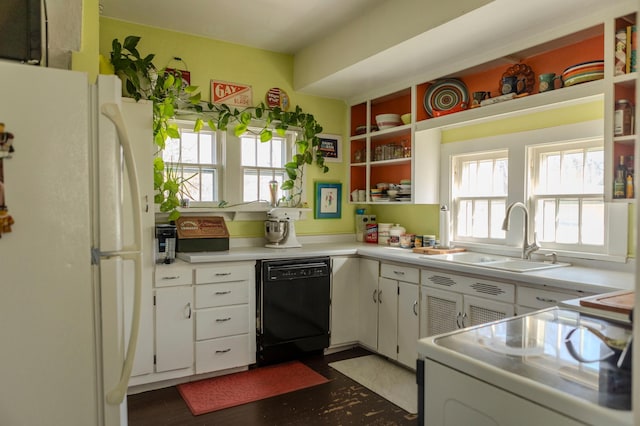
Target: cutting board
(432,250)
(613,302)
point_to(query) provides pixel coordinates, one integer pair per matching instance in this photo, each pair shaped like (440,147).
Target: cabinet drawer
(489,289)
(442,280)
(223,353)
(223,294)
(226,273)
(541,298)
(219,322)
(170,275)
(401,273)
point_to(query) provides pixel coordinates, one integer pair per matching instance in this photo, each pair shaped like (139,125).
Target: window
(262,162)
(567,194)
(557,172)
(480,189)
(195,157)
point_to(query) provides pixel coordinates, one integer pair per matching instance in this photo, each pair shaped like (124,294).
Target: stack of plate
(583,72)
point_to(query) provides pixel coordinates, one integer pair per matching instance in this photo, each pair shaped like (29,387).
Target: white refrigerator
(73,265)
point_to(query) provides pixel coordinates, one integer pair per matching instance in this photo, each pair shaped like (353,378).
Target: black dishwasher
(293,306)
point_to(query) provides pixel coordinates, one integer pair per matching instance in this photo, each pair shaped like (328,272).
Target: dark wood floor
(341,401)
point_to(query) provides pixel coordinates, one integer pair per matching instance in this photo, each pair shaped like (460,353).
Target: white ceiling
(312,29)
(283,26)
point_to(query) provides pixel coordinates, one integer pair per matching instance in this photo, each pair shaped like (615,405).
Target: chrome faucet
(527,248)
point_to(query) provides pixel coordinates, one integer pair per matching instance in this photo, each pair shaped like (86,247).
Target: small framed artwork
(328,201)
(330,147)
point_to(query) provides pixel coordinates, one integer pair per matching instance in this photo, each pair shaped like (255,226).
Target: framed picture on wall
(328,203)
(330,147)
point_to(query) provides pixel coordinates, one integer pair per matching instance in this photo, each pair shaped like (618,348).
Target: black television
(21,30)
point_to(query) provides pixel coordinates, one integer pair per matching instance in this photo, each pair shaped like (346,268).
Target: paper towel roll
(445,240)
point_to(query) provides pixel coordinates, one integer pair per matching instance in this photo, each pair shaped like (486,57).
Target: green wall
(215,60)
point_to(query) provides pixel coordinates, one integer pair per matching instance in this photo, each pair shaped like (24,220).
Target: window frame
(517,142)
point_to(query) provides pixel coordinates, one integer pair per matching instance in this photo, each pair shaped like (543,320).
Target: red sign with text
(234,94)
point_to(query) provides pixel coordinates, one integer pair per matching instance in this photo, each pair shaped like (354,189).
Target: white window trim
(517,144)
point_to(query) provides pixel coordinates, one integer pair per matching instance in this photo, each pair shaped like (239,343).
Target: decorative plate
(444,95)
(522,71)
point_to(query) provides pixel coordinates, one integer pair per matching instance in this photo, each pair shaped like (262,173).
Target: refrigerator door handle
(113,112)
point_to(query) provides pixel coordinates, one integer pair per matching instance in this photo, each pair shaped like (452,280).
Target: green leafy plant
(170,97)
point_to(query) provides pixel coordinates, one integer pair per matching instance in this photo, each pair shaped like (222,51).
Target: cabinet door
(408,323)
(441,311)
(479,311)
(174,328)
(368,303)
(344,300)
(388,317)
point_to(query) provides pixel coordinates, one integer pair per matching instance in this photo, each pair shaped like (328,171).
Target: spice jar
(623,118)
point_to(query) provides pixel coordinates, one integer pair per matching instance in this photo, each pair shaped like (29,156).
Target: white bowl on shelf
(387,121)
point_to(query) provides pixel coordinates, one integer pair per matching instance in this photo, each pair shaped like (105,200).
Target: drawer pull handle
(221,293)
(398,272)
(188,309)
(171,278)
(380,296)
(223,319)
(415,306)
(374,296)
(458,319)
(464,317)
(224,351)
(222,274)
(546,300)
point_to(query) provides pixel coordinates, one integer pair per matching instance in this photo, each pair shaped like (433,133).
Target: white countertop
(571,277)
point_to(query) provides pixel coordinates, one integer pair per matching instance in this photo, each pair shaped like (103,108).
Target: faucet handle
(553,256)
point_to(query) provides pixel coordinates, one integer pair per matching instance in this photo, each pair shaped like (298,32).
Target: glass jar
(623,118)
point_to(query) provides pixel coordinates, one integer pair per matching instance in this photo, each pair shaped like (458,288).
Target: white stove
(519,371)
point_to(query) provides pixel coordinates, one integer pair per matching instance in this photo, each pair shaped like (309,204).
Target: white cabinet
(174,328)
(225,316)
(452,301)
(344,300)
(368,303)
(408,322)
(531,299)
(391,303)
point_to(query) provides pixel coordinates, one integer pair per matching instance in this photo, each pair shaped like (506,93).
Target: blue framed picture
(328,201)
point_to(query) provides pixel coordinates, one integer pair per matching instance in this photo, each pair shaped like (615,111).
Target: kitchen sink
(495,262)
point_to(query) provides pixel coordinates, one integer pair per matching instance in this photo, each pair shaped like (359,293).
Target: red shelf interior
(358,117)
(553,61)
(395,103)
(390,173)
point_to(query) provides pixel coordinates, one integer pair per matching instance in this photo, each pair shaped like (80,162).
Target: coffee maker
(165,243)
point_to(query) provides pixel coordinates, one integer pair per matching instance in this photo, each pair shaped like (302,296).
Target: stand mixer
(279,230)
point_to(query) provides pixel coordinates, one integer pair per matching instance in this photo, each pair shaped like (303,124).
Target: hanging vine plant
(169,96)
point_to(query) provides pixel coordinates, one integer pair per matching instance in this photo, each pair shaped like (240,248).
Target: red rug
(205,396)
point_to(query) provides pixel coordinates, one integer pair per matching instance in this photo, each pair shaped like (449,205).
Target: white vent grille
(441,280)
(442,315)
(486,288)
(480,315)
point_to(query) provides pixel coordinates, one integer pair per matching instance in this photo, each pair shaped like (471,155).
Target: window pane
(498,210)
(208,186)
(464,218)
(568,221)
(248,151)
(594,172)
(571,179)
(593,222)
(546,220)
(171,152)
(481,219)
(207,148)
(500,182)
(277,146)
(191,188)
(264,154)
(250,191)
(189,148)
